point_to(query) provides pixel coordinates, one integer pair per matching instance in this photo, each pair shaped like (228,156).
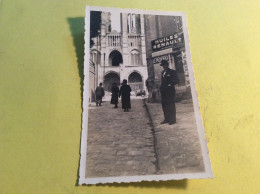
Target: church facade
(119,55)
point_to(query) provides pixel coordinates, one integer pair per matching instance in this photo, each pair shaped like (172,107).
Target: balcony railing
(114,40)
(134,40)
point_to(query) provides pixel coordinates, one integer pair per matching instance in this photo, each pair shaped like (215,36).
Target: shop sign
(160,58)
(162,52)
(173,41)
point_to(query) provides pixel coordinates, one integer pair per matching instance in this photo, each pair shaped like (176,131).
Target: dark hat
(164,63)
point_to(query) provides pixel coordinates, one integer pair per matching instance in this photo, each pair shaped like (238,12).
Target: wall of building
(92,81)
(159,27)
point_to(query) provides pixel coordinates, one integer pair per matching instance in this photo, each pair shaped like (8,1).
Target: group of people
(123,92)
(169,79)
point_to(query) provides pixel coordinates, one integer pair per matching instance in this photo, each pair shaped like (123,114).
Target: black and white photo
(141,118)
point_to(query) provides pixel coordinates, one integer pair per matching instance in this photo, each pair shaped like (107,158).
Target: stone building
(120,54)
(165,41)
(92,81)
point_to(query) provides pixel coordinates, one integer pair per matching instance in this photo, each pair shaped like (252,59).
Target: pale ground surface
(127,143)
(120,143)
(178,146)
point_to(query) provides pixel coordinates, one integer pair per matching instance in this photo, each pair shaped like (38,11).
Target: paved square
(135,143)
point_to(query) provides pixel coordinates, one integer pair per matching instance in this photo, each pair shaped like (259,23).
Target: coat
(125,93)
(168,80)
(99,92)
(115,94)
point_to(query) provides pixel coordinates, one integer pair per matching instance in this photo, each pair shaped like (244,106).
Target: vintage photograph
(141,118)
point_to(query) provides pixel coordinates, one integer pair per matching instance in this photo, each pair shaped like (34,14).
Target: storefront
(172,49)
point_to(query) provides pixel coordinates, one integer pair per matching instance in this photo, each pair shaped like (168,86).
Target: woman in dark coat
(115,92)
(125,93)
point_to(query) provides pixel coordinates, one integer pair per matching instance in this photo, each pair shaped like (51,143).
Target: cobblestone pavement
(120,143)
(135,143)
(177,146)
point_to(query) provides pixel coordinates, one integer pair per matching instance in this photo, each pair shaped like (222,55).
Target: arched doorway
(115,58)
(135,81)
(110,78)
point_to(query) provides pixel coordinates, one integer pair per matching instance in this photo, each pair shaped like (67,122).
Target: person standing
(115,94)
(99,94)
(167,89)
(125,93)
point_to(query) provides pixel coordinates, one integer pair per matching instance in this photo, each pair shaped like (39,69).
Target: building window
(91,57)
(135,58)
(129,23)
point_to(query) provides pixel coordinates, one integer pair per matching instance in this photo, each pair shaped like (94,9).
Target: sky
(115,21)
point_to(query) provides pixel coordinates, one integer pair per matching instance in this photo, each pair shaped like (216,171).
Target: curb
(154,136)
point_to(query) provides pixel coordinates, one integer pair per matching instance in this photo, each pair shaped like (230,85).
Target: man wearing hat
(167,89)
